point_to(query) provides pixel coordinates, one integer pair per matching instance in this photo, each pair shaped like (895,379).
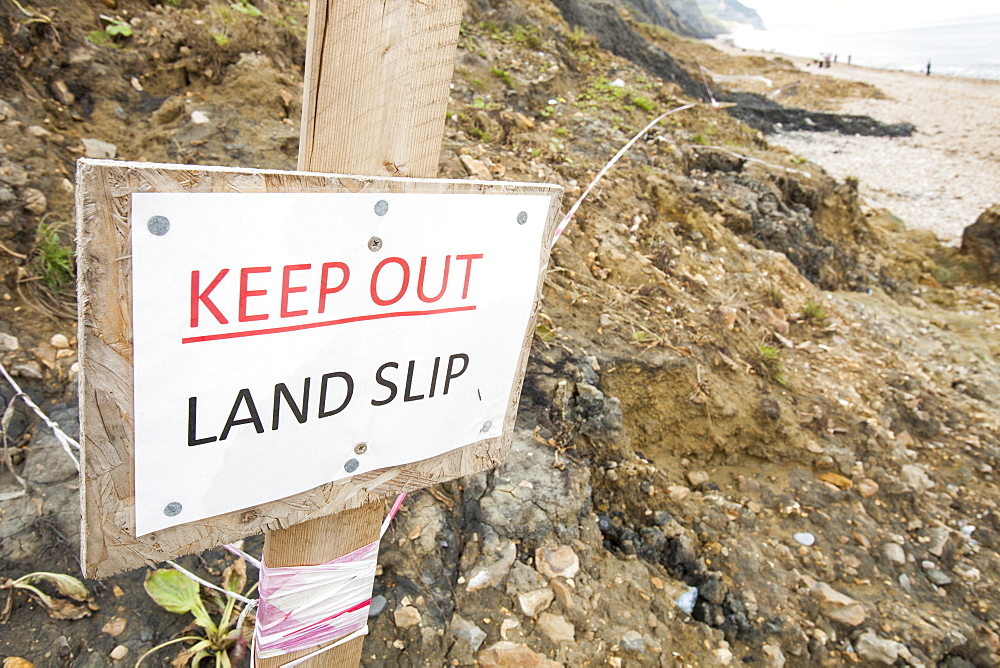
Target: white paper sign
(275,332)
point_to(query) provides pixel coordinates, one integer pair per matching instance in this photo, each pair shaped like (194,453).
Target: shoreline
(724,43)
(940,178)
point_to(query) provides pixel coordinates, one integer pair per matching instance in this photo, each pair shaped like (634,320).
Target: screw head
(375,244)
(172,509)
(361,448)
(487,425)
(381,207)
(522,218)
(351,465)
(158,225)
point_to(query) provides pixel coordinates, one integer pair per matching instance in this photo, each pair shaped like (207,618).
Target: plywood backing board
(106,381)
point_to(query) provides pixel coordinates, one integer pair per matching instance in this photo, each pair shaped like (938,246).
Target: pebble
(838,607)
(533,602)
(200,118)
(618,83)
(115,627)
(894,553)
(873,649)
(687,600)
(678,493)
(805,538)
(377,605)
(915,479)
(119,653)
(477,169)
(27,370)
(33,200)
(632,642)
(556,627)
(8,343)
(59,341)
(463,629)
(697,478)
(493,574)
(62,93)
(406,616)
(555,562)
(98,149)
(939,577)
(775,658)
(867,488)
(508,654)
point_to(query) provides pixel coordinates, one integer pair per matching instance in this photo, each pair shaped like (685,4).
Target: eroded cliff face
(731,11)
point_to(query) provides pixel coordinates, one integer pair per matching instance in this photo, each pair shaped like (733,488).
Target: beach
(943,176)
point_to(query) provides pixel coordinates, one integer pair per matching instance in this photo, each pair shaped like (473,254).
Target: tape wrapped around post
(301,607)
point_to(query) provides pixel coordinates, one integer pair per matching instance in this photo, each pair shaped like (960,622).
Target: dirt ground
(748,387)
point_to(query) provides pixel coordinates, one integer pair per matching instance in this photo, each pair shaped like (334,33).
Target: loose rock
(838,607)
(555,562)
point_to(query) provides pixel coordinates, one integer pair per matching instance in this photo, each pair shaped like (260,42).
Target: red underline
(327,323)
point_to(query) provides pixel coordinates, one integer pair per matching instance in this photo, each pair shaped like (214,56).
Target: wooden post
(374,97)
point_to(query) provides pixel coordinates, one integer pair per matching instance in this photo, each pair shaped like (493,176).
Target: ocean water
(965,48)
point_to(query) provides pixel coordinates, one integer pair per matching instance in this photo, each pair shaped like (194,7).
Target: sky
(876,14)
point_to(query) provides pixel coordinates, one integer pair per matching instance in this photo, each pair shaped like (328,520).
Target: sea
(968,47)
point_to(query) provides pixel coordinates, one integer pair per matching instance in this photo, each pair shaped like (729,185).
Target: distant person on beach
(834,58)
(928,68)
(848,59)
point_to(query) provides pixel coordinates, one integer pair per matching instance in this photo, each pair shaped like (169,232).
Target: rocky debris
(556,627)
(494,571)
(981,240)
(877,650)
(506,654)
(535,601)
(98,148)
(406,616)
(477,169)
(838,607)
(557,562)
(915,479)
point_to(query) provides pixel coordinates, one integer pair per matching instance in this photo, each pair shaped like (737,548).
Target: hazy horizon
(878,15)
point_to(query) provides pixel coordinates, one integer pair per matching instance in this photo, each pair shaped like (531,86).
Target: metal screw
(158,225)
(487,425)
(361,448)
(522,218)
(173,508)
(351,465)
(381,207)
(375,244)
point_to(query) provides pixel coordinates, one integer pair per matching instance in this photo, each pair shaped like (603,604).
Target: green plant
(478,103)
(479,133)
(699,138)
(643,103)
(116,27)
(768,364)
(503,75)
(221,39)
(53,259)
(175,592)
(244,7)
(813,311)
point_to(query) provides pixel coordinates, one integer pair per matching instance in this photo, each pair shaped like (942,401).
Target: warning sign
(286,340)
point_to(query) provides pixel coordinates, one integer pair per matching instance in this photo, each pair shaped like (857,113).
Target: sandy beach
(939,179)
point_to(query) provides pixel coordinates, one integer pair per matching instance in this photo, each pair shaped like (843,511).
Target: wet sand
(939,179)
